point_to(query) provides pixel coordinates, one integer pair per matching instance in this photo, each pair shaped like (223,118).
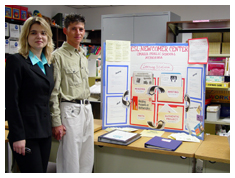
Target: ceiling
(87,6)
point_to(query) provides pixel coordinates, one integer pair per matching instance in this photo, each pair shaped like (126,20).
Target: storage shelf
(219,122)
(219,85)
(219,55)
(210,88)
(175,28)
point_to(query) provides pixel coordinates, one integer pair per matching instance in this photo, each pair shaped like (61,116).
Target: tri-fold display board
(150,86)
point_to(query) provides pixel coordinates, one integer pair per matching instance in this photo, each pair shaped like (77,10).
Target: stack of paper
(183,137)
(151,133)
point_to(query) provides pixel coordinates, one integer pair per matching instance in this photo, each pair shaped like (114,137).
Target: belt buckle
(85,101)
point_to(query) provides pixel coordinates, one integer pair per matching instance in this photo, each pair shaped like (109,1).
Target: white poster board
(160,86)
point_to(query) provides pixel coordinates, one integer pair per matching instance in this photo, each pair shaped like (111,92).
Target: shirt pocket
(84,72)
(73,76)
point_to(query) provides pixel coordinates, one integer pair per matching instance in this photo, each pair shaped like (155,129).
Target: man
(72,118)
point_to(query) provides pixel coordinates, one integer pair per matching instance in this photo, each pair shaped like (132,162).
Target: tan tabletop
(187,149)
(97,125)
(214,148)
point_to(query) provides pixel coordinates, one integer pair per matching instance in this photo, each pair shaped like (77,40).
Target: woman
(28,86)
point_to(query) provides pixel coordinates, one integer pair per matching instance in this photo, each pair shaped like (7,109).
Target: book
(217,84)
(119,137)
(163,143)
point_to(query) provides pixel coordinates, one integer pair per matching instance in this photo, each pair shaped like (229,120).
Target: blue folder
(163,143)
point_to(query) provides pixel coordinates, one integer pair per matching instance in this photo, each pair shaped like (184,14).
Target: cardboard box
(14,31)
(212,37)
(214,78)
(214,48)
(16,12)
(23,13)
(218,96)
(226,36)
(215,69)
(20,28)
(8,11)
(7,29)
(13,47)
(217,84)
(213,112)
(225,48)
(7,45)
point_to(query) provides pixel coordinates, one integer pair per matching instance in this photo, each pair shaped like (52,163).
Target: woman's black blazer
(27,94)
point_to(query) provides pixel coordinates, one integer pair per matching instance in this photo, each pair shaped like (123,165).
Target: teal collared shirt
(34,59)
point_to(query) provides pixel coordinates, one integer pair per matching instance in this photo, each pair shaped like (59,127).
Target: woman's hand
(19,147)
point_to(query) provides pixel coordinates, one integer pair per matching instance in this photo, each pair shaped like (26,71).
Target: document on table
(184,137)
(151,133)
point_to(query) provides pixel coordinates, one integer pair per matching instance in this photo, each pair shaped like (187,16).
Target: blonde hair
(23,39)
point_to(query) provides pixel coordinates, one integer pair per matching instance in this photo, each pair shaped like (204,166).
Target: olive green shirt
(70,77)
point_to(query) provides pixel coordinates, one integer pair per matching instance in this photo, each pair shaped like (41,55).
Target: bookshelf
(174,29)
(218,28)
(58,36)
(219,92)
(94,36)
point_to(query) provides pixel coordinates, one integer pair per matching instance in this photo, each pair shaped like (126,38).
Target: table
(136,158)
(97,125)
(215,153)
(187,149)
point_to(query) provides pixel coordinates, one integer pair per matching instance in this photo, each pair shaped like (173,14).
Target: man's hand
(19,147)
(58,132)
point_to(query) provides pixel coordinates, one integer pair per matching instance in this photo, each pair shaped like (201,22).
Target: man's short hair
(71,18)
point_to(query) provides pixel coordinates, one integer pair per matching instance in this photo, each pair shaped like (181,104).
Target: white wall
(93,15)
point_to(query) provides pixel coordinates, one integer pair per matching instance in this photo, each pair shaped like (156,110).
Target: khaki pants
(76,150)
